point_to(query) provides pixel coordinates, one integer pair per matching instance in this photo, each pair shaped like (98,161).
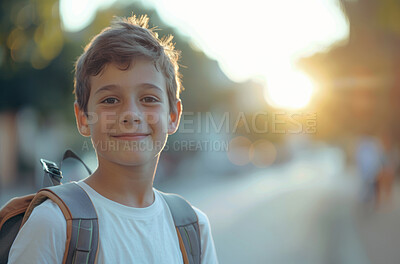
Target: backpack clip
(52,174)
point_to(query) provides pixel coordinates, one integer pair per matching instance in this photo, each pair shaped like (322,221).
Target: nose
(131,113)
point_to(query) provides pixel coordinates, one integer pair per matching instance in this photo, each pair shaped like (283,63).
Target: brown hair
(124,40)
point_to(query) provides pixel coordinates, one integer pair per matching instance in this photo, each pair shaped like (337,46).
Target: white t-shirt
(126,234)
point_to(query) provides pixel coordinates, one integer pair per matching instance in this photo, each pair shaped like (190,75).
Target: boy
(127,88)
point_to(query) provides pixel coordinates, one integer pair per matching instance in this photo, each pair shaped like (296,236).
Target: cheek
(152,118)
(106,122)
(159,119)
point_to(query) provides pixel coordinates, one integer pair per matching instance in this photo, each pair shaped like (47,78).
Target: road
(306,211)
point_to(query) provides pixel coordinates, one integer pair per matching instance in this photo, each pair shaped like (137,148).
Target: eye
(149,99)
(110,100)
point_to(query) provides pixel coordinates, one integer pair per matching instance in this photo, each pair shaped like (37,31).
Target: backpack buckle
(52,171)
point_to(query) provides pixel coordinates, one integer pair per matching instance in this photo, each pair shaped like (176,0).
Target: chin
(135,159)
(131,159)
(129,154)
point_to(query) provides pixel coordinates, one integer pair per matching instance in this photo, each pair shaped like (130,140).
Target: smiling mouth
(136,136)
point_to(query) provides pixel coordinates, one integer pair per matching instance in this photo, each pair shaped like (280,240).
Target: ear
(174,118)
(81,121)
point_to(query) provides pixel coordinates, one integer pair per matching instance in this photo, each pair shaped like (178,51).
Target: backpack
(82,222)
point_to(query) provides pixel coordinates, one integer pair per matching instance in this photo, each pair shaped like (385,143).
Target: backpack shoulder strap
(187,227)
(82,222)
(11,216)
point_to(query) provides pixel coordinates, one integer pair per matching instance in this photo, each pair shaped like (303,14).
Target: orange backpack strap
(187,227)
(15,206)
(82,222)
(11,216)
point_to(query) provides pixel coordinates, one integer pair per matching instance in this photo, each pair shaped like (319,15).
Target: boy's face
(129,118)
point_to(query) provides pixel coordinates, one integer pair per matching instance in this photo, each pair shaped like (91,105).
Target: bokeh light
(262,153)
(238,150)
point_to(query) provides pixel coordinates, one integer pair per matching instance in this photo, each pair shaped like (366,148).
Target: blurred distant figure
(369,159)
(390,163)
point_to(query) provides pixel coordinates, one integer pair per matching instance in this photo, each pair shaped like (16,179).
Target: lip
(130,136)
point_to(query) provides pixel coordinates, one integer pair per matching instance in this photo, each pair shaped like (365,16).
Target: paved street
(306,211)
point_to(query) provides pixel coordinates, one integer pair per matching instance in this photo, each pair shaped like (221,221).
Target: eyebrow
(150,86)
(111,87)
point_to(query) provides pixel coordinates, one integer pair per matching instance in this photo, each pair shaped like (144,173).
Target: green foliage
(31,41)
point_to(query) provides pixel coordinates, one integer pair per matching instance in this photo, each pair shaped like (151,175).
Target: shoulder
(47,207)
(203,218)
(204,224)
(180,201)
(208,252)
(46,215)
(46,218)
(42,238)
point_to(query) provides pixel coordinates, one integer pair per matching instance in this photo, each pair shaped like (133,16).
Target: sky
(250,39)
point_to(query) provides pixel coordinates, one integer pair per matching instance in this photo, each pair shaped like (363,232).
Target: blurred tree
(30,39)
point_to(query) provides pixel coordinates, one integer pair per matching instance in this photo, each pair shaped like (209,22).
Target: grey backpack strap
(82,222)
(187,226)
(85,230)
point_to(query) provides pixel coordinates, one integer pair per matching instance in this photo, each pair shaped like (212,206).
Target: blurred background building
(289,139)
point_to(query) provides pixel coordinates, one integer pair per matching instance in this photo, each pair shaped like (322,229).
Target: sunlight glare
(291,89)
(253,38)
(77,14)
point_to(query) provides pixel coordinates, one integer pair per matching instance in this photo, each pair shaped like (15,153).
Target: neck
(127,185)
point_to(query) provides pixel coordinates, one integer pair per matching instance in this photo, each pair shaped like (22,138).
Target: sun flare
(290,89)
